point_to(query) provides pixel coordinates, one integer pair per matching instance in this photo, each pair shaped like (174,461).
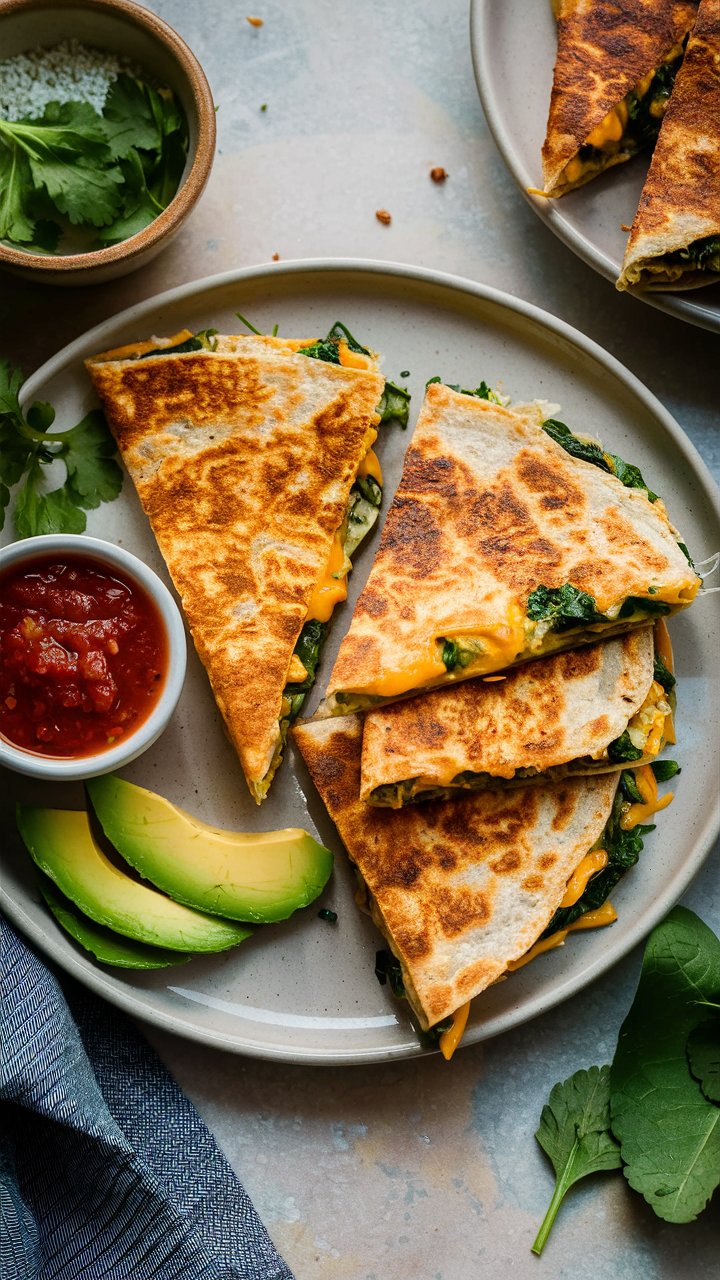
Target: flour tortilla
(680,202)
(459,888)
(558,714)
(243,459)
(488,508)
(604,50)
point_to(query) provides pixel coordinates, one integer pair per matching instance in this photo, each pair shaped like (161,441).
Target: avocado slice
(61,843)
(261,878)
(107,947)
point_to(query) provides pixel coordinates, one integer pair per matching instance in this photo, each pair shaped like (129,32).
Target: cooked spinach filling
(204,340)
(644,114)
(590,451)
(563,607)
(623,749)
(483,392)
(394,401)
(623,849)
(703,255)
(388,972)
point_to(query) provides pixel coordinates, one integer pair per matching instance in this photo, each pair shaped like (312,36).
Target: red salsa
(83,656)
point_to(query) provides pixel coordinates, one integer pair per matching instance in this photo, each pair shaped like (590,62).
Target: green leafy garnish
(703,1051)
(575,1133)
(113,173)
(591,451)
(668,1129)
(27,447)
(564,607)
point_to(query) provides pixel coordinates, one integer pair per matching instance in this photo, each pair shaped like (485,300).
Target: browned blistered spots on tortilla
(443,876)
(577,664)
(545,481)
(414,540)
(565,800)
(680,201)
(603,51)
(532,883)
(244,463)
(374,605)
(599,726)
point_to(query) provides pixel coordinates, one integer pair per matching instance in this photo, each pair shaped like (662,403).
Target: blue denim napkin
(106,1170)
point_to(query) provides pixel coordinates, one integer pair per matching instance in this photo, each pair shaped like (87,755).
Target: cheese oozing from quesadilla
(584,711)
(509,538)
(674,242)
(614,72)
(462,889)
(252,457)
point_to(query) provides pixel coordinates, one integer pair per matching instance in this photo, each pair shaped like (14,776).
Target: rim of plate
(678,305)
(633,933)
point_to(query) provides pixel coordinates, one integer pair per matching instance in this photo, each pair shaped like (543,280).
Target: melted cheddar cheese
(370,466)
(424,669)
(651,802)
(450,1039)
(577,884)
(330,589)
(606,914)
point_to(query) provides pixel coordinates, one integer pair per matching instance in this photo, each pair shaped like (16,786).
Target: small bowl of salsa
(92,656)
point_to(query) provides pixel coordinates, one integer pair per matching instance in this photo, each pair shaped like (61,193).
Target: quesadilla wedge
(252,459)
(463,890)
(614,72)
(674,241)
(584,711)
(509,538)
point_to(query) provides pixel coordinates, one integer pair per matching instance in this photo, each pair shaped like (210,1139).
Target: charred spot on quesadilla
(613,76)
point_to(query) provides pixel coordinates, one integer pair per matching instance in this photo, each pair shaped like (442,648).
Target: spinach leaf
(323,349)
(703,1051)
(590,451)
(203,340)
(701,252)
(623,849)
(483,392)
(575,1133)
(664,770)
(641,604)
(339,330)
(622,749)
(662,674)
(387,970)
(669,1131)
(394,403)
(450,655)
(308,647)
(565,607)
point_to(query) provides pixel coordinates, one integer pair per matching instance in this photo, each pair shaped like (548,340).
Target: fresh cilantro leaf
(16,222)
(703,1051)
(139,207)
(85,192)
(54,512)
(93,474)
(575,1133)
(128,119)
(564,607)
(669,1131)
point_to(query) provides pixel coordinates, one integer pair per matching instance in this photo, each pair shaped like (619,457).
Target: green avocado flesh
(107,947)
(260,878)
(61,844)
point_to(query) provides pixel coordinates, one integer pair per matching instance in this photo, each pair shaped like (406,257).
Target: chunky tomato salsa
(83,656)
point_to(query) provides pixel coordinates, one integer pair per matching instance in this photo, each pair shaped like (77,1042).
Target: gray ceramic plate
(513,48)
(306,990)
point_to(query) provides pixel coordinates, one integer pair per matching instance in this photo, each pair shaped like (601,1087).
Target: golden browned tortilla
(680,203)
(490,508)
(557,715)
(607,49)
(243,459)
(459,888)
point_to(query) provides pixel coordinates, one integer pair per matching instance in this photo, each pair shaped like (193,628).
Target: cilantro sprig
(111,173)
(28,447)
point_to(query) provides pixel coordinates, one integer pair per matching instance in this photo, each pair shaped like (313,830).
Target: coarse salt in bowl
(75,50)
(49,648)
